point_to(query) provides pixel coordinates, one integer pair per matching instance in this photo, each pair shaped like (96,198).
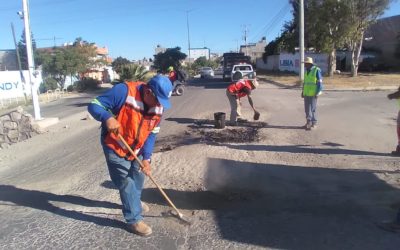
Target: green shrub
(86,84)
(133,72)
(70,88)
(48,84)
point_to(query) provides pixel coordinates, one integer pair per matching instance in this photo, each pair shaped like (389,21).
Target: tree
(22,50)
(133,72)
(328,25)
(118,63)
(203,62)
(171,57)
(362,14)
(289,38)
(74,60)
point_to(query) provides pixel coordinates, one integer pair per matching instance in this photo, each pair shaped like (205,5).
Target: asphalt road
(64,107)
(293,189)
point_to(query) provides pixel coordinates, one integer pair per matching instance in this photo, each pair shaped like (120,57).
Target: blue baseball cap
(162,88)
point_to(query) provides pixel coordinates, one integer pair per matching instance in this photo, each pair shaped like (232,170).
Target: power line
(48,39)
(272,23)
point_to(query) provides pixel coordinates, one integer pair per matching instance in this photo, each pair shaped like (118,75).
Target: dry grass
(344,80)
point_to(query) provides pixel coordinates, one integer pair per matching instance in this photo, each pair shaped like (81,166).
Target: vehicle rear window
(242,68)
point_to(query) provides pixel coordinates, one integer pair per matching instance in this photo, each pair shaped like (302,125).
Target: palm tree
(133,72)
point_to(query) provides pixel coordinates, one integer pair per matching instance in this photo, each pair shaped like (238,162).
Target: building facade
(383,38)
(254,50)
(8,60)
(196,53)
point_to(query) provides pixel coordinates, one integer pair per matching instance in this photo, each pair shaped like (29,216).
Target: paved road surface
(294,189)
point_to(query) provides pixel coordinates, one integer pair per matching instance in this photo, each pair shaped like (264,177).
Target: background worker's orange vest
(136,125)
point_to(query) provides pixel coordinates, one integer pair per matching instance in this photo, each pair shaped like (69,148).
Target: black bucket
(219,118)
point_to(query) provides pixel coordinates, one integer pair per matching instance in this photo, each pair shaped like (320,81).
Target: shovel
(178,214)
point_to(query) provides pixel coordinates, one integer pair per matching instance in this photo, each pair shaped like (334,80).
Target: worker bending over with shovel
(132,110)
(240,88)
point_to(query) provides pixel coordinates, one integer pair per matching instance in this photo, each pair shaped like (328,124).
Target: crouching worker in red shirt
(236,90)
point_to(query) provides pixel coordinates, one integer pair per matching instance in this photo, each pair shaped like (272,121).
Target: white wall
(196,53)
(11,85)
(291,62)
(271,64)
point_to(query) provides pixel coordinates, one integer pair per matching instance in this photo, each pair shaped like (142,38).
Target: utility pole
(19,63)
(31,66)
(187,24)
(301,38)
(245,40)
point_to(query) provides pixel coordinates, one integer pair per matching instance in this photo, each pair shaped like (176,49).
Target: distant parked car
(206,72)
(218,71)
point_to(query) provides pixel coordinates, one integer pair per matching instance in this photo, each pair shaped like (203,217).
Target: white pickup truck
(245,69)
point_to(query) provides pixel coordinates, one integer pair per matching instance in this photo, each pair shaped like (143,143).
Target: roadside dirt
(342,81)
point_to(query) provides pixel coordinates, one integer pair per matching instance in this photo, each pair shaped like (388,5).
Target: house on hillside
(100,72)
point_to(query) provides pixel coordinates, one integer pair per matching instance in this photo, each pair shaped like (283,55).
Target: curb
(372,88)
(44,123)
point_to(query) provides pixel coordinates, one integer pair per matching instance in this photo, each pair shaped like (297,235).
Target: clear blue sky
(132,28)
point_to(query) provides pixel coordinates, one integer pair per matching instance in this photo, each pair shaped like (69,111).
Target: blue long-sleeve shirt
(109,104)
(320,86)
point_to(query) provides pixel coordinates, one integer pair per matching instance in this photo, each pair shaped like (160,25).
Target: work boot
(397,151)
(140,228)
(145,207)
(313,125)
(307,126)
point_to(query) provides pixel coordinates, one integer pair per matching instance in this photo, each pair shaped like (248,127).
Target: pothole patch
(208,135)
(236,135)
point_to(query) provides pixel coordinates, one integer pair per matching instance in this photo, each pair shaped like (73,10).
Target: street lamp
(31,67)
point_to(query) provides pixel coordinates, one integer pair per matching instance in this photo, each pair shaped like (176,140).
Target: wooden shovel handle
(151,177)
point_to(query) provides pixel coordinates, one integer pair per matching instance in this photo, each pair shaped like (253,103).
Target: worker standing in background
(172,74)
(312,88)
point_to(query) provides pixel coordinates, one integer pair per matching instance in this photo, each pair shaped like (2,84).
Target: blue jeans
(310,106)
(129,181)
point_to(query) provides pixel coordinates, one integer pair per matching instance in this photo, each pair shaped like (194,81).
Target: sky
(133,28)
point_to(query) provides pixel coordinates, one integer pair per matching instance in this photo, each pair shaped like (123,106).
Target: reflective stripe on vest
(96,102)
(135,125)
(310,82)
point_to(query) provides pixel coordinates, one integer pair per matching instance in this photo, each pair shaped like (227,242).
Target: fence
(49,96)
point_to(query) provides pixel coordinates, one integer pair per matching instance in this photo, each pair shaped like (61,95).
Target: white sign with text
(291,62)
(12,86)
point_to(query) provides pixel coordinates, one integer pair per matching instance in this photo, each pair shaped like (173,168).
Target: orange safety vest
(136,125)
(235,88)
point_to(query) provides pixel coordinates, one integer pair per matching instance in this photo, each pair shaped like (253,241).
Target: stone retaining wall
(16,126)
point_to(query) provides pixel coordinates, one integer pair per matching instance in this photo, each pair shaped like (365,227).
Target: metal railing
(49,96)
